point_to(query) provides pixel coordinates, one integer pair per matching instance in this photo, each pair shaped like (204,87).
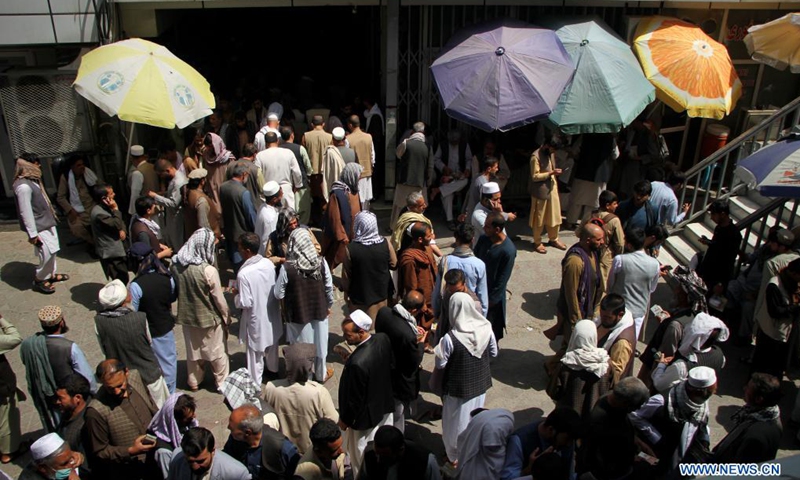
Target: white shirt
(49,237)
(260,139)
(266,222)
(260,324)
(280,165)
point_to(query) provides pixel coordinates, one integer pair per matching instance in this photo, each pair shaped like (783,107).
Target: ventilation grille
(41,114)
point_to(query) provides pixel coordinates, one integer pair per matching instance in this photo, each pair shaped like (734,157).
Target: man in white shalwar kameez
(267,216)
(37,219)
(260,326)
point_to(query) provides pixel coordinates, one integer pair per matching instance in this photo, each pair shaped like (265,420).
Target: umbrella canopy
(775,169)
(143,82)
(690,71)
(776,43)
(608,90)
(502,75)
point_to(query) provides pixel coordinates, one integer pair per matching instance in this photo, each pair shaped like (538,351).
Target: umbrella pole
(128,150)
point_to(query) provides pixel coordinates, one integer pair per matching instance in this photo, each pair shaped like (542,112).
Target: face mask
(63,474)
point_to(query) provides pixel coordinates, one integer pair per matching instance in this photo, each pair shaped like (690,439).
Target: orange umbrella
(690,70)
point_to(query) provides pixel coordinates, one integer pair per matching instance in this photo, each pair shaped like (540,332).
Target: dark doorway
(298,56)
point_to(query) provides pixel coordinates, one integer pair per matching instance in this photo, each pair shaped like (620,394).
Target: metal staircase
(713,179)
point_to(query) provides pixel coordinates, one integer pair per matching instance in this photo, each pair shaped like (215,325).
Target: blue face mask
(63,474)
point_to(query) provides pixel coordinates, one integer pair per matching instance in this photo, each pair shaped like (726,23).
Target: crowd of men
(191,216)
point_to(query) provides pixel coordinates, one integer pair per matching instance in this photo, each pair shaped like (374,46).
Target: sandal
(59,277)
(328,374)
(22,450)
(557,244)
(539,248)
(44,287)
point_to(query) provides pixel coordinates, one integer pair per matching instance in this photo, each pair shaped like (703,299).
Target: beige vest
(775,329)
(361,143)
(316,142)
(151,182)
(195,307)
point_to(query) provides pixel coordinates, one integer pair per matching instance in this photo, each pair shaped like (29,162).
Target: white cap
(271,188)
(338,133)
(46,446)
(137,150)
(490,188)
(361,319)
(113,294)
(198,173)
(273,116)
(702,377)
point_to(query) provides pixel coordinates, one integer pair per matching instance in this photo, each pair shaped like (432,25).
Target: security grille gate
(424,30)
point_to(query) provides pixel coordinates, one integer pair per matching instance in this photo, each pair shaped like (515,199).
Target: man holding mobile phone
(116,424)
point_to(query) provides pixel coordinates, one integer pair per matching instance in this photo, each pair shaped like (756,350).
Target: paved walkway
(518,376)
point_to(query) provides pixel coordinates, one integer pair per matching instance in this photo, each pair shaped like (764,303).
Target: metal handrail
(775,207)
(699,178)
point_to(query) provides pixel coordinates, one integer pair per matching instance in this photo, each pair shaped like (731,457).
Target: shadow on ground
(520,369)
(540,305)
(86,294)
(527,416)
(18,275)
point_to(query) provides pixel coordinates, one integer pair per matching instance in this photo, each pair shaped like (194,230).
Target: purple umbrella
(502,75)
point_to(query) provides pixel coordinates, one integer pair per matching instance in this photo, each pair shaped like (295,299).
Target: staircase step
(680,249)
(694,231)
(666,258)
(756,197)
(742,206)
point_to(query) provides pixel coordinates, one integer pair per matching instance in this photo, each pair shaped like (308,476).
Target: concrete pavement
(518,377)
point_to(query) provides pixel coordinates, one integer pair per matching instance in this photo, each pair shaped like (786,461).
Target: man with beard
(499,254)
(365,389)
(616,333)
(581,284)
(72,396)
(400,325)
(49,359)
(416,270)
(675,425)
(171,201)
(116,424)
(198,459)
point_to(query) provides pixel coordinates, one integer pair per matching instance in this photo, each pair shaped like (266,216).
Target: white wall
(37,22)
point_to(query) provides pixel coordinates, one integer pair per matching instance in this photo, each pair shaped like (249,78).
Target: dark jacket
(407,352)
(365,389)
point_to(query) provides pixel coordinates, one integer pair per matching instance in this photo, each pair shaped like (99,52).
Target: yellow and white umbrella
(690,70)
(776,43)
(143,82)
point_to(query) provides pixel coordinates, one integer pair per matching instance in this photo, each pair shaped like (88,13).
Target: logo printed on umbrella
(184,96)
(110,82)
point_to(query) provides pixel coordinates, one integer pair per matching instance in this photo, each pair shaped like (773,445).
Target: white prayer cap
(490,188)
(198,173)
(338,133)
(113,294)
(271,188)
(137,151)
(46,446)
(702,377)
(273,116)
(361,319)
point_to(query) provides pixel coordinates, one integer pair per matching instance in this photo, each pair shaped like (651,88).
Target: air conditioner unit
(43,113)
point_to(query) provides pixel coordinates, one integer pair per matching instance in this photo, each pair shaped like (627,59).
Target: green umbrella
(608,90)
